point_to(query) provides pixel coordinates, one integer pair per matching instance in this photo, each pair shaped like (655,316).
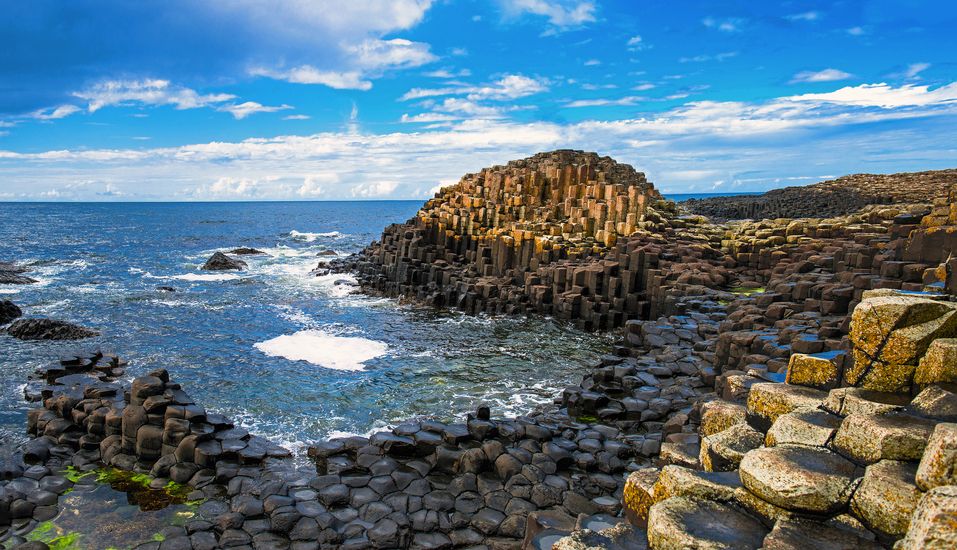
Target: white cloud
(147,92)
(827,75)
(911,71)
(855,31)
(592,62)
(5,124)
(296,117)
(625,101)
(306,74)
(593,87)
(367,59)
(59,112)
(445,73)
(429,117)
(243,110)
(838,131)
(312,186)
(806,16)
(644,86)
(561,14)
(507,88)
(729,24)
(459,51)
(379,189)
(635,44)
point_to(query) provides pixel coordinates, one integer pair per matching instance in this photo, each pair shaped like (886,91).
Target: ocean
(288,355)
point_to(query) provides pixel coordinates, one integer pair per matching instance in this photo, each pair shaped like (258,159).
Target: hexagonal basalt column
(795,477)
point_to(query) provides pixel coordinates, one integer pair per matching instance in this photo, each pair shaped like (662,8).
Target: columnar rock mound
(48,329)
(831,198)
(9,311)
(12,274)
(221,262)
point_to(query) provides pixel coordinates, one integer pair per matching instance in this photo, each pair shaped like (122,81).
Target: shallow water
(288,355)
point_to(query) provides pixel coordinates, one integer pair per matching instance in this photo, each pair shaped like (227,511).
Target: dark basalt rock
(222,262)
(246,251)
(11,277)
(8,312)
(48,329)
(328,253)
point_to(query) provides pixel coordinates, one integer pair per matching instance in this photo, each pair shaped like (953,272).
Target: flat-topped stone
(677,481)
(637,497)
(803,426)
(801,478)
(935,403)
(722,452)
(680,523)
(719,415)
(938,365)
(768,401)
(932,527)
(810,535)
(822,371)
(868,438)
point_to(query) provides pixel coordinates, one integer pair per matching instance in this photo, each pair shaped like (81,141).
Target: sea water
(288,355)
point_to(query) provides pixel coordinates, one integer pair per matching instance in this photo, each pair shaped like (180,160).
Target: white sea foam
(327,283)
(310,237)
(323,349)
(207,277)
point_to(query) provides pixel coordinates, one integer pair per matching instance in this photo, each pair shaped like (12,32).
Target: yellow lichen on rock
(939,364)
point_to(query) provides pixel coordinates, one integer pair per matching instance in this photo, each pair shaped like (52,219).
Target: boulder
(221,262)
(48,329)
(680,523)
(637,498)
(677,481)
(8,312)
(938,365)
(719,415)
(795,477)
(935,403)
(246,251)
(822,371)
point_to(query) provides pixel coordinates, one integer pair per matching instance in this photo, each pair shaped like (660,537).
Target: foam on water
(310,237)
(207,277)
(326,350)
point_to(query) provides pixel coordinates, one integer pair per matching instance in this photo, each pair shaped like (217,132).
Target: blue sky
(390,99)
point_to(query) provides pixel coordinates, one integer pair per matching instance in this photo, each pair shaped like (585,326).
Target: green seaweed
(74,475)
(587,419)
(747,291)
(65,542)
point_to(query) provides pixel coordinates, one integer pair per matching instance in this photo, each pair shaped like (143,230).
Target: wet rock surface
(48,329)
(221,262)
(9,311)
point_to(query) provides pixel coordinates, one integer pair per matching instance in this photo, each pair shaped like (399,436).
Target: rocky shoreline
(776,384)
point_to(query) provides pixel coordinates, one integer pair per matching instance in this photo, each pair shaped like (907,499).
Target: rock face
(48,329)
(8,312)
(246,251)
(221,262)
(11,274)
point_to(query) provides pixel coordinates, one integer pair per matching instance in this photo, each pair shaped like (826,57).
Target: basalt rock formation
(221,262)
(831,198)
(9,311)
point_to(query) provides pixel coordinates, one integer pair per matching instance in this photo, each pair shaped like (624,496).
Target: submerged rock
(8,312)
(246,251)
(48,329)
(222,262)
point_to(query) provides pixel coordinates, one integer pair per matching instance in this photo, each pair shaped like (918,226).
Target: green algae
(120,511)
(747,291)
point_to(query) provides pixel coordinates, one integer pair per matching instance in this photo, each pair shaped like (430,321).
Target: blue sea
(288,355)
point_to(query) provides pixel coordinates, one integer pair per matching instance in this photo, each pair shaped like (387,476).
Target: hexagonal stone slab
(722,452)
(637,498)
(887,497)
(768,401)
(868,438)
(680,523)
(676,481)
(935,403)
(803,426)
(939,364)
(789,534)
(795,477)
(822,371)
(719,415)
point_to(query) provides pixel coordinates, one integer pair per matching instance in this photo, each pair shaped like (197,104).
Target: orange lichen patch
(722,452)
(637,498)
(874,375)
(814,371)
(934,523)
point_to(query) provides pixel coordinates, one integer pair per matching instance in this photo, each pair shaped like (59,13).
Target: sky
(176,100)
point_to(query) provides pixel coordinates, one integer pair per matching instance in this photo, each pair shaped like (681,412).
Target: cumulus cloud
(250,107)
(562,14)
(827,75)
(855,31)
(307,74)
(296,117)
(625,101)
(147,92)
(445,73)
(378,189)
(226,188)
(635,44)
(312,186)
